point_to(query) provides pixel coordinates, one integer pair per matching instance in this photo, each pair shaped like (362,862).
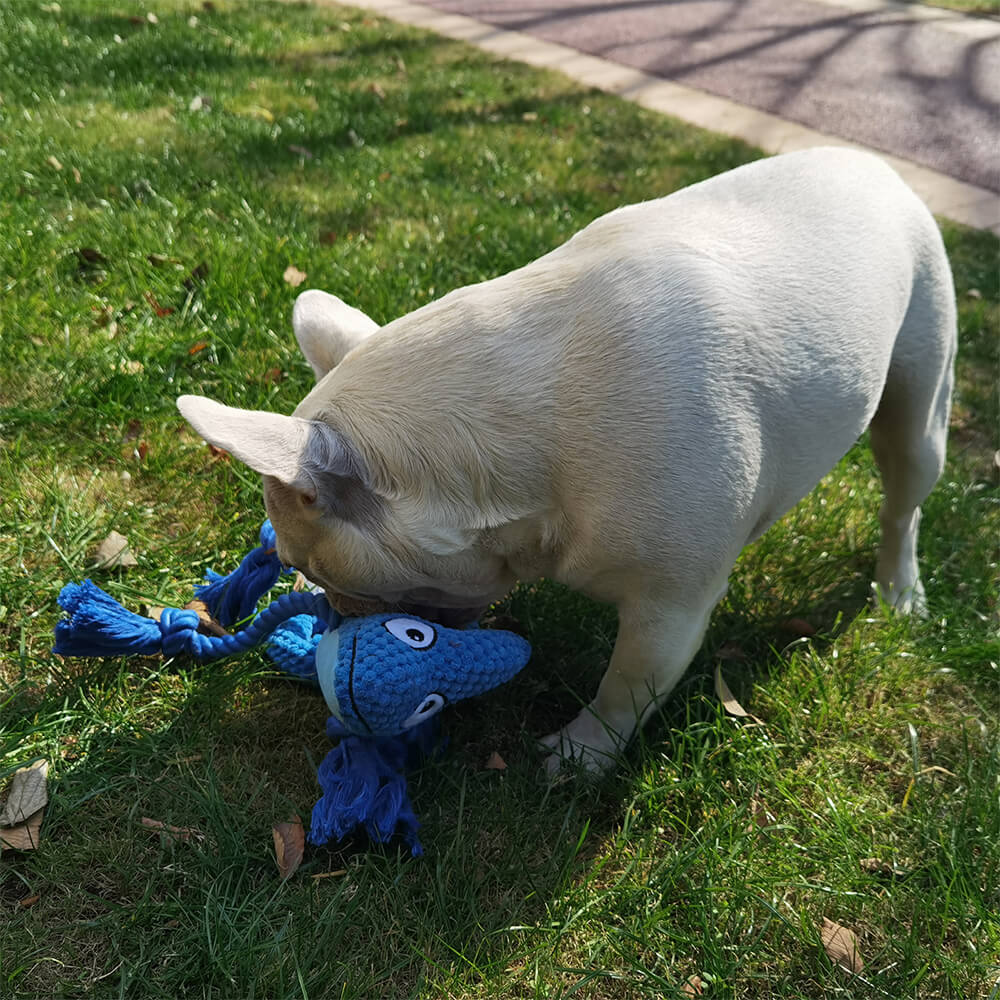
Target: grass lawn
(157,177)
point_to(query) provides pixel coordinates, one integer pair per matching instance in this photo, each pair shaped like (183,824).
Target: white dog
(624,414)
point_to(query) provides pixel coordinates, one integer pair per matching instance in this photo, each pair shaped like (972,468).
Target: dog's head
(356,530)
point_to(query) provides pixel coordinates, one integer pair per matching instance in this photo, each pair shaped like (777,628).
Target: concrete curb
(965,203)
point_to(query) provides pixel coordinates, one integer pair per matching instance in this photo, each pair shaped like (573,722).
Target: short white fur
(626,413)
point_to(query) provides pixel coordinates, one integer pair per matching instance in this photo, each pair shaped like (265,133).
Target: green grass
(718,847)
(968,6)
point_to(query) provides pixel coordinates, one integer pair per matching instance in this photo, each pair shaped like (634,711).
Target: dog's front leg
(656,642)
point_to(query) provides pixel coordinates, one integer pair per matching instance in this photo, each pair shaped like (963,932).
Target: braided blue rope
(233,597)
(362,781)
(99,626)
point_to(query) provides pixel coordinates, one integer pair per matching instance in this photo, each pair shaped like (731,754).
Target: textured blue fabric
(380,679)
(363,782)
(386,669)
(292,646)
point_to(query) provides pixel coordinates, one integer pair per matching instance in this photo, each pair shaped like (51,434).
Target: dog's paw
(908,601)
(586,743)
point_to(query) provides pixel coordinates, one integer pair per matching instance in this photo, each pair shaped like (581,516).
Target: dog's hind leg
(910,428)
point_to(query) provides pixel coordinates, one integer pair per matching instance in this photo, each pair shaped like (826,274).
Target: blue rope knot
(178,627)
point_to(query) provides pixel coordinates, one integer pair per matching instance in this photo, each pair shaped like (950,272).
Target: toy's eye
(416,634)
(431,705)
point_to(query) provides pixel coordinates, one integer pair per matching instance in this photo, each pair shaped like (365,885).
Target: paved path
(921,84)
(886,78)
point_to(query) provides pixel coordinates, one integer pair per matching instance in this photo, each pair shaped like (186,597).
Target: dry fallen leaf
(207,624)
(883,869)
(289,846)
(23,837)
(495,762)
(197,348)
(114,553)
(841,945)
(157,308)
(90,255)
(182,833)
(693,986)
(30,900)
(731,651)
(294,276)
(729,702)
(28,793)
(761,815)
(798,627)
(53,162)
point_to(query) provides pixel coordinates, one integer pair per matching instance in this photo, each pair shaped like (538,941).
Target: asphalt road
(924,89)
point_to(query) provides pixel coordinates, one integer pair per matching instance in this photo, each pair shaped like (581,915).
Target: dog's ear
(307,455)
(327,329)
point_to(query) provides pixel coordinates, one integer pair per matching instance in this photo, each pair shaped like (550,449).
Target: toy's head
(386,673)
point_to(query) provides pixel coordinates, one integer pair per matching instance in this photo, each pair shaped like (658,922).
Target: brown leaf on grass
(88,255)
(181,833)
(197,275)
(53,163)
(207,625)
(328,237)
(157,308)
(495,762)
(294,276)
(28,793)
(693,986)
(798,627)
(377,90)
(218,454)
(23,837)
(841,945)
(728,699)
(289,846)
(77,176)
(29,900)
(133,430)
(272,376)
(731,651)
(114,553)
(761,815)
(197,348)
(882,869)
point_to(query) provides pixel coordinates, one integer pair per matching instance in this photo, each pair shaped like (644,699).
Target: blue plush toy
(383,676)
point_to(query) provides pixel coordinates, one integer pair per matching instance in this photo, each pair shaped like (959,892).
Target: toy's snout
(384,674)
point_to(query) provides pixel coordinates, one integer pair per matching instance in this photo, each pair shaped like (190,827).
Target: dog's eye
(415,633)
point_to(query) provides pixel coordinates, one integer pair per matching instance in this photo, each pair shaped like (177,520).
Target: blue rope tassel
(363,781)
(233,597)
(99,626)
(364,786)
